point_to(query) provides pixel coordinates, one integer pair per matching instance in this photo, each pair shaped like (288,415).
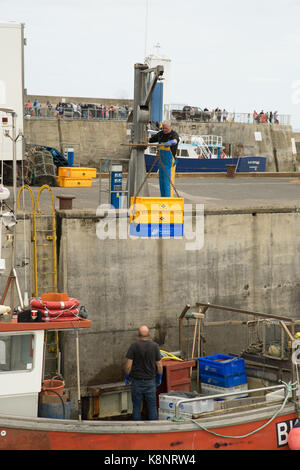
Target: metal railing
(96,114)
(224,395)
(177,113)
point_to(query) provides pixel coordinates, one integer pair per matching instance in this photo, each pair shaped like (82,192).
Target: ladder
(46,255)
(200,142)
(44,239)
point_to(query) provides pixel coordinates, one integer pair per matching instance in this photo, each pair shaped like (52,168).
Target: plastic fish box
(224,381)
(208,389)
(221,364)
(170,415)
(156,210)
(65,182)
(77,172)
(158,203)
(155,230)
(167,401)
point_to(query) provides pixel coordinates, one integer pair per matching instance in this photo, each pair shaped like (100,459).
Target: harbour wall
(95,140)
(92,140)
(249,260)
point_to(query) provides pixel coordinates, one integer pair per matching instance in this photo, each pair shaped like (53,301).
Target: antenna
(146,29)
(157,47)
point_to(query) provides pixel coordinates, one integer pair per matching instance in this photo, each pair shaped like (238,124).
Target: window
(184,153)
(16,352)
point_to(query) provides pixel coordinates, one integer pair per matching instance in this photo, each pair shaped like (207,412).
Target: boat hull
(161,435)
(214,165)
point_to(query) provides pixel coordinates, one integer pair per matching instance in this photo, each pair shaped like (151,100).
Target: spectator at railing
(262,117)
(218,114)
(28,110)
(59,110)
(225,115)
(49,108)
(37,107)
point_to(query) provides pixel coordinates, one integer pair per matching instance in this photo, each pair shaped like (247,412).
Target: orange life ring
(37,302)
(223,155)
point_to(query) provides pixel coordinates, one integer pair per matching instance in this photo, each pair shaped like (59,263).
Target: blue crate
(155,230)
(224,381)
(221,364)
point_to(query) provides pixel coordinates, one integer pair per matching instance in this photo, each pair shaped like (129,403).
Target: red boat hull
(272,437)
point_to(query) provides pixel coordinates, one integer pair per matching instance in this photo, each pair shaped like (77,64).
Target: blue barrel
(55,410)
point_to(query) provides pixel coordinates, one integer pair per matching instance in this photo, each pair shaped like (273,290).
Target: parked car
(71,110)
(191,113)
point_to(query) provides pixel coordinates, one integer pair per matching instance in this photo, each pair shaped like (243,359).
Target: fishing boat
(257,418)
(205,154)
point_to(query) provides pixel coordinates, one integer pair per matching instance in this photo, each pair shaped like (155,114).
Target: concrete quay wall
(103,139)
(97,140)
(250,260)
(242,136)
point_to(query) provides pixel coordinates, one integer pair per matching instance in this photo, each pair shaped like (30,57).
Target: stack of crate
(156,217)
(74,177)
(223,374)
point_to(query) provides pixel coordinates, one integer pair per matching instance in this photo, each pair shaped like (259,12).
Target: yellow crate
(77,172)
(156,210)
(74,182)
(164,203)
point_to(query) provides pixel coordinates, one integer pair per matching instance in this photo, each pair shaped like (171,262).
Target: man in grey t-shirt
(144,369)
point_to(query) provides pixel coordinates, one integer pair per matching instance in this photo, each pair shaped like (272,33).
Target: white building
(11,84)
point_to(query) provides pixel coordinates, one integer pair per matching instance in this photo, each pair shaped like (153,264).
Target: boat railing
(224,395)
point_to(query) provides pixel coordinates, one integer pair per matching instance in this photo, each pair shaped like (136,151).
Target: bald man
(144,369)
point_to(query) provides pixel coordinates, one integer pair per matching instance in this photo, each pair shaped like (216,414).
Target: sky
(232,54)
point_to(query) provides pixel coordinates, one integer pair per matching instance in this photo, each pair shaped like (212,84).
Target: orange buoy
(294,438)
(38,302)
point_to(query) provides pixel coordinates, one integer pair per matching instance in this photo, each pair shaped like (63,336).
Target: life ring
(60,313)
(200,156)
(54,305)
(223,155)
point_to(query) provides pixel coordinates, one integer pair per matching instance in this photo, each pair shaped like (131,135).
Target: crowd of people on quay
(262,117)
(77,110)
(100,111)
(194,113)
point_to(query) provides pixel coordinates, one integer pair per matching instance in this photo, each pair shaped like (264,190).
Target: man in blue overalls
(168,138)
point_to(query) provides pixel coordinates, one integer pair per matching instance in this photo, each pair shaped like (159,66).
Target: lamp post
(13,274)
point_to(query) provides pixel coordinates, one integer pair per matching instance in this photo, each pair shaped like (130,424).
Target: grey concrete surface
(215,192)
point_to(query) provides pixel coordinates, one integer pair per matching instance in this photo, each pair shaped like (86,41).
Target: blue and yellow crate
(156,217)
